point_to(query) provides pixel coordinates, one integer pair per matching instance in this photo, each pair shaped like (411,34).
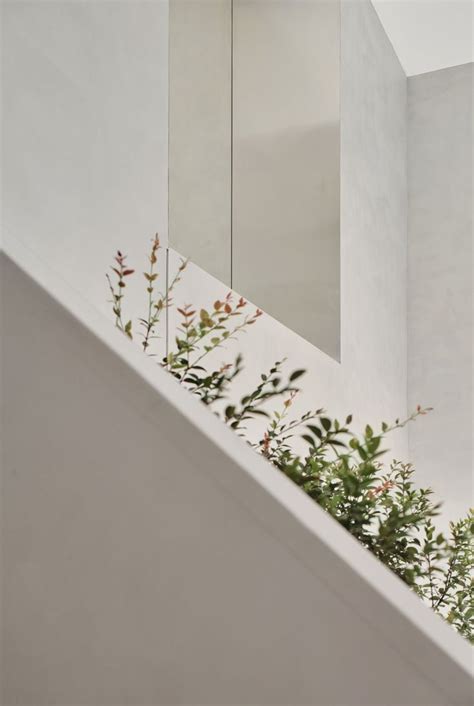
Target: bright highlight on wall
(428,35)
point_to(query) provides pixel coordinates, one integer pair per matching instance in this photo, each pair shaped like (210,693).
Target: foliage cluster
(341,471)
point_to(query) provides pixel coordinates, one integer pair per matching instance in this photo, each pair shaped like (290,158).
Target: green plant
(446,578)
(342,472)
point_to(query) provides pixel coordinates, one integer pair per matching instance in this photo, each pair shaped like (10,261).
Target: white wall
(85,171)
(85,105)
(429,35)
(371,379)
(72,216)
(286,163)
(200,166)
(151,557)
(440,280)
(254,153)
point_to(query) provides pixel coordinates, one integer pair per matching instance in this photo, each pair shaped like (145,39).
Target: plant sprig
(340,470)
(121,271)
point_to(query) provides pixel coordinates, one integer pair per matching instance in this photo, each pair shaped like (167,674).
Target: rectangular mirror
(255,153)
(200,133)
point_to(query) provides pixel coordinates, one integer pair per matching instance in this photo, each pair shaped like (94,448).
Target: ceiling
(428,34)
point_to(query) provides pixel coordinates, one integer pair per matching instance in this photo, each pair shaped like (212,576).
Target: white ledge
(396,617)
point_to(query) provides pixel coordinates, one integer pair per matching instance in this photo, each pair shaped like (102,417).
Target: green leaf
(296,374)
(229,411)
(259,412)
(325,423)
(315,430)
(335,442)
(350,484)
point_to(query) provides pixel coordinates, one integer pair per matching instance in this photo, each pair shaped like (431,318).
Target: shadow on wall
(286,230)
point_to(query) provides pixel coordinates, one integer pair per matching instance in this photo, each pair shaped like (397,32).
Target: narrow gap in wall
(338,358)
(167,259)
(231,142)
(167,251)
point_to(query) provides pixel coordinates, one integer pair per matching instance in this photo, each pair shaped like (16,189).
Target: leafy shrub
(339,470)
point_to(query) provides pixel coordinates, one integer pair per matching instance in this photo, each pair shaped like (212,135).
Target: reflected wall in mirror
(254,153)
(200,133)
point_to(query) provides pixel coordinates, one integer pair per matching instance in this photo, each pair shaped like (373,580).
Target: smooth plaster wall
(371,379)
(440,304)
(85,171)
(254,169)
(84,133)
(286,163)
(200,137)
(150,557)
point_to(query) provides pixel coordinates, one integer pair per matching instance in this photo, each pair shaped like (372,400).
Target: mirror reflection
(254,153)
